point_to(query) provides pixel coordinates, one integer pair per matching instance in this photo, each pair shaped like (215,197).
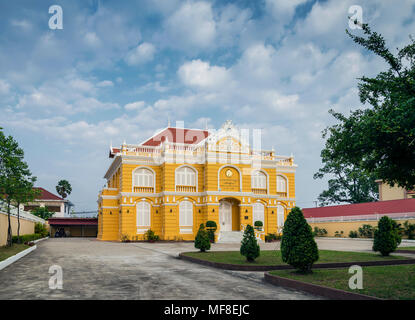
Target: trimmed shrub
(27,237)
(41,229)
(270,237)
(249,246)
(409,230)
(366,231)
(319,232)
(353,234)
(202,239)
(386,236)
(298,247)
(211,228)
(150,236)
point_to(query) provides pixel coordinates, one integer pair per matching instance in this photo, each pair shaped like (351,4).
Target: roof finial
(168,122)
(206,124)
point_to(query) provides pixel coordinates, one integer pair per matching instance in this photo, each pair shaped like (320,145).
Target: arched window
(143,215)
(280,217)
(143,180)
(259,180)
(185,179)
(281,184)
(186,217)
(258,213)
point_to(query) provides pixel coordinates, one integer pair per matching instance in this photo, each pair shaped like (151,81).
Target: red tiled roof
(73,221)
(178,135)
(46,195)
(378,207)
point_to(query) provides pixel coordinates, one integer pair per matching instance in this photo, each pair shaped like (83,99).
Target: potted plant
(211,228)
(258,225)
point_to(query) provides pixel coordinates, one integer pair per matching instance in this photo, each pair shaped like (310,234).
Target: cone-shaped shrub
(249,245)
(298,247)
(386,237)
(202,239)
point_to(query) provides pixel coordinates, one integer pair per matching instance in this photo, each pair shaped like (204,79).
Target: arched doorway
(229,215)
(225,215)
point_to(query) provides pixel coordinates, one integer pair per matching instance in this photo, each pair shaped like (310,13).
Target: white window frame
(186,216)
(186,176)
(258,213)
(282,184)
(259,180)
(143,212)
(280,217)
(147,177)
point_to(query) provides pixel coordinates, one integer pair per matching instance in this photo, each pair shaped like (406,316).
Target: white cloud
(191,26)
(141,54)
(200,74)
(4,87)
(105,83)
(134,105)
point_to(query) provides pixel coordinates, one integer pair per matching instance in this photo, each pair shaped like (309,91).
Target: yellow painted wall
(117,214)
(347,226)
(26,227)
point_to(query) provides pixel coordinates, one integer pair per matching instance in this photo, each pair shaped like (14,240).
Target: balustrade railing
(144,189)
(186,188)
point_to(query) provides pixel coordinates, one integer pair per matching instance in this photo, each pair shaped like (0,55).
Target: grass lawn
(6,252)
(387,282)
(406,248)
(273,257)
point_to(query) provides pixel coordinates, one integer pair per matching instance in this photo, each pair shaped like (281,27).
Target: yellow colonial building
(180,178)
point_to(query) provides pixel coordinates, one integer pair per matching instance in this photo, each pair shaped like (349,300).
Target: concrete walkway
(110,270)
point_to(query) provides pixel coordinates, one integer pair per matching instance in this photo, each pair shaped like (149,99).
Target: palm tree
(64,189)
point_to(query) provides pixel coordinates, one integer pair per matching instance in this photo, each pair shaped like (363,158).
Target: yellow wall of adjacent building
(26,227)
(347,226)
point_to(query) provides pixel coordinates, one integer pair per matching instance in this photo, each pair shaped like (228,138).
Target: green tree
(386,238)
(298,247)
(42,212)
(202,239)
(380,140)
(14,172)
(249,245)
(64,188)
(25,194)
(349,184)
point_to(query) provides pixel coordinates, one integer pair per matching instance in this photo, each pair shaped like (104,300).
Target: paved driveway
(107,270)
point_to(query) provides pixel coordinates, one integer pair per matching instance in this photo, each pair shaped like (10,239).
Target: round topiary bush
(211,228)
(202,239)
(298,247)
(249,245)
(386,238)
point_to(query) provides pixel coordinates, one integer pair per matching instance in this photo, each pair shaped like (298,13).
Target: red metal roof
(73,221)
(177,135)
(46,195)
(378,207)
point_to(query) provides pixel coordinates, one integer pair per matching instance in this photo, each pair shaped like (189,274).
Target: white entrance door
(225,216)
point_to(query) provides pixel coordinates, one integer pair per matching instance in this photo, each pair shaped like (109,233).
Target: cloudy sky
(117,70)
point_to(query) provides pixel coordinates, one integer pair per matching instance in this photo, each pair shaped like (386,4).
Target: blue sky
(119,69)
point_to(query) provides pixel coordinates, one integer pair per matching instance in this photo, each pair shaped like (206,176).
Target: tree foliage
(380,140)
(15,175)
(249,245)
(298,247)
(64,188)
(386,238)
(42,212)
(202,239)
